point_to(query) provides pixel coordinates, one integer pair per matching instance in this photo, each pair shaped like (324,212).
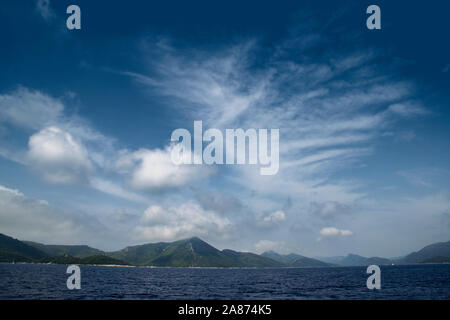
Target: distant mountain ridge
(433,253)
(357,260)
(194,252)
(295,260)
(79,251)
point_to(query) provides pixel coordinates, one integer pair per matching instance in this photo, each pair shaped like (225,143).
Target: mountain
(141,254)
(192,252)
(354,260)
(79,251)
(437,260)
(430,252)
(295,260)
(333,260)
(92,260)
(357,260)
(14,250)
(251,259)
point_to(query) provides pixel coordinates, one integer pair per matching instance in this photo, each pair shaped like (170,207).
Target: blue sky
(86,118)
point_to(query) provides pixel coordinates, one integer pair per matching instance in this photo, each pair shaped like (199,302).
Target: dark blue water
(27,281)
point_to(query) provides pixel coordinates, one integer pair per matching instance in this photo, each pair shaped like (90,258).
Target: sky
(86,118)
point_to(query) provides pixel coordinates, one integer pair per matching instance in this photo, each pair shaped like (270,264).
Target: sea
(40,281)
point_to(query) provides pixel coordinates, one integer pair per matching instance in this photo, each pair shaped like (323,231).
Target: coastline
(171,267)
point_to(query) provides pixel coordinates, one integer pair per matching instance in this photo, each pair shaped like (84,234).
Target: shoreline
(169,267)
(69,264)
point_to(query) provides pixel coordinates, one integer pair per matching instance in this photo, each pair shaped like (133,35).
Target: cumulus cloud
(185,220)
(154,169)
(65,149)
(58,157)
(272,219)
(331,232)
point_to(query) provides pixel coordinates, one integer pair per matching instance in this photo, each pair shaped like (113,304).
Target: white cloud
(326,123)
(34,110)
(214,88)
(272,219)
(27,218)
(58,157)
(329,210)
(116,190)
(66,148)
(268,245)
(407,109)
(331,232)
(276,216)
(154,169)
(29,109)
(32,219)
(185,220)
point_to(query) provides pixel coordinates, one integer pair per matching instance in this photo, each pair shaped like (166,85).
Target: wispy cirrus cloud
(29,109)
(331,111)
(319,113)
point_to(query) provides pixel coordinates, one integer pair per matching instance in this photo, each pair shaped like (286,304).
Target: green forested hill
(14,250)
(192,252)
(428,253)
(93,260)
(80,251)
